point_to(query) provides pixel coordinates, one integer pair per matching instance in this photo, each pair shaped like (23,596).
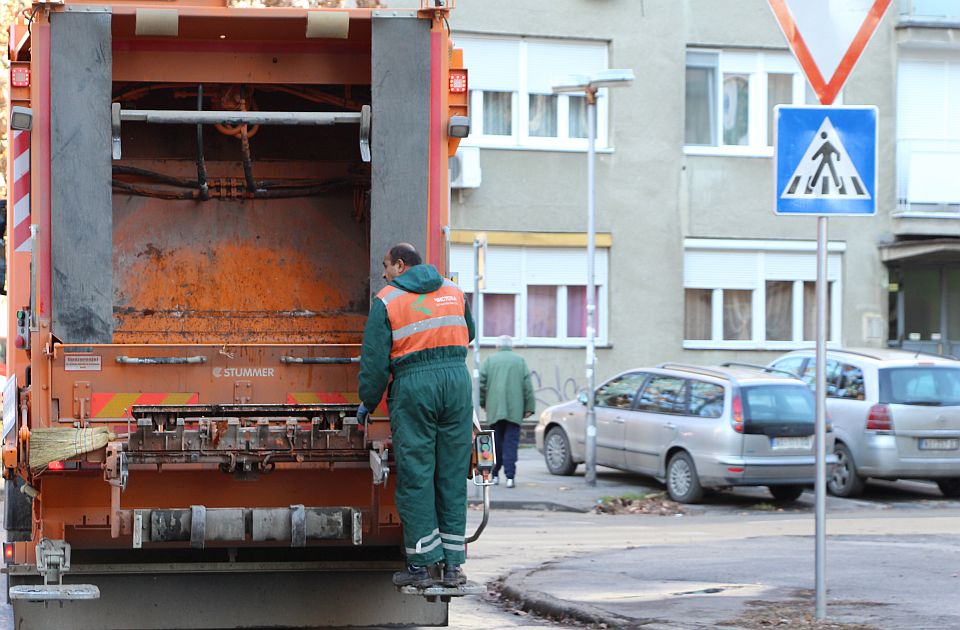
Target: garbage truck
(200,196)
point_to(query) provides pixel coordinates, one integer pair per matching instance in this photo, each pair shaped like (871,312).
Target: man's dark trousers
(507,436)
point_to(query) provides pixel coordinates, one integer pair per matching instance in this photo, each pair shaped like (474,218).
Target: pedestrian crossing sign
(825,160)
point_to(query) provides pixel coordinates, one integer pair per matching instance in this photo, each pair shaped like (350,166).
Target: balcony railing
(936,9)
(928,178)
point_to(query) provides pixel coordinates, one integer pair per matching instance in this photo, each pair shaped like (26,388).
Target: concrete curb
(540,506)
(548,606)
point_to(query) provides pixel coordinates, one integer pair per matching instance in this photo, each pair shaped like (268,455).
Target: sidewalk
(750,584)
(537,489)
(741,572)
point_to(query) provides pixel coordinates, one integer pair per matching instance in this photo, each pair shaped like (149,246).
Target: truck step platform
(444,592)
(54,592)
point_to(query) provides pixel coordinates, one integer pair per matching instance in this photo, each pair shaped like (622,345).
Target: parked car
(693,428)
(895,415)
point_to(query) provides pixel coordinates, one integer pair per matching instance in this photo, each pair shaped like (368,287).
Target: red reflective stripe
(21,232)
(21,142)
(21,187)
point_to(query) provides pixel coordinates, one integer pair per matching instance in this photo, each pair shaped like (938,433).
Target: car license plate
(783,443)
(939,444)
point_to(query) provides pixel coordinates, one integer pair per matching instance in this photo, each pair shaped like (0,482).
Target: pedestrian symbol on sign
(825,171)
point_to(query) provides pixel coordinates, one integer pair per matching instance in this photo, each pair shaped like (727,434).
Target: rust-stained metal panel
(239,271)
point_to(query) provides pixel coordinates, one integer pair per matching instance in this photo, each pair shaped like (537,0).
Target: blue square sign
(825,160)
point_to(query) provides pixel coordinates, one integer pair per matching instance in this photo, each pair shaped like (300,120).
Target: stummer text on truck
(200,197)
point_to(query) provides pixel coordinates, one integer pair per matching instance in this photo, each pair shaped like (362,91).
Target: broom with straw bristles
(56,444)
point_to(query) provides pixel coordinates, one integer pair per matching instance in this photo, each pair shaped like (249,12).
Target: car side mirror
(583,398)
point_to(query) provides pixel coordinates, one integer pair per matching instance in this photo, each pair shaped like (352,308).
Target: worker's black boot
(453,576)
(414,576)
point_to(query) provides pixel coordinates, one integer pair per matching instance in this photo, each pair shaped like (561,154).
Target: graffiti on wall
(554,388)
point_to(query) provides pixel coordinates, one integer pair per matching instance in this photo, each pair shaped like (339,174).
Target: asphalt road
(895,544)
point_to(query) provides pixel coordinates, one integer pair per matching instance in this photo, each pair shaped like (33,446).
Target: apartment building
(692,264)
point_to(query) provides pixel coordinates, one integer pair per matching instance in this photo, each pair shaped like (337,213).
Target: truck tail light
(737,419)
(458,81)
(880,418)
(57,465)
(7,552)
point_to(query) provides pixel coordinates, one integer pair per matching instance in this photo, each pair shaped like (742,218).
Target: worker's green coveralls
(430,407)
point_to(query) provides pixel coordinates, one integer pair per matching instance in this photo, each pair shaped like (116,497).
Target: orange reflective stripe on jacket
(423,321)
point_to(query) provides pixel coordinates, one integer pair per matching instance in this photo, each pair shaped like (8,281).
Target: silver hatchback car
(895,415)
(693,428)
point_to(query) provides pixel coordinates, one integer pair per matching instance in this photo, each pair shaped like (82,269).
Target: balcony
(927,181)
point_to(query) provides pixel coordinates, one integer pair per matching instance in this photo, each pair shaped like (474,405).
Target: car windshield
(920,385)
(777,403)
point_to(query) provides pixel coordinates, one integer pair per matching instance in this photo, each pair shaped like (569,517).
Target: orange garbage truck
(200,197)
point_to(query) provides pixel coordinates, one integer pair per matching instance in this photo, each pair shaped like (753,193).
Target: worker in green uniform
(418,332)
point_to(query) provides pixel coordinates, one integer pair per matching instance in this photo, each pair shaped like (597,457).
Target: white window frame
(518,288)
(757,65)
(759,274)
(520,137)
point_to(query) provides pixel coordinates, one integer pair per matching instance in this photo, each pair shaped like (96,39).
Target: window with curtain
(543,115)
(730,96)
(577,310)
(736,112)
(577,117)
(497,113)
(541,311)
(499,315)
(746,294)
(700,96)
(779,310)
(697,313)
(779,92)
(737,314)
(511,80)
(537,295)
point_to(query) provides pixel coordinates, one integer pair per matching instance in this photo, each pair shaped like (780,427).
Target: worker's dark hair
(405,252)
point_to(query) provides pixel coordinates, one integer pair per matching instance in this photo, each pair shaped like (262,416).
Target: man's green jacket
(506,391)
(375,364)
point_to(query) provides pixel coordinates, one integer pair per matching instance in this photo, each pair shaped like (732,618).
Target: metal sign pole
(821,421)
(478,242)
(591,428)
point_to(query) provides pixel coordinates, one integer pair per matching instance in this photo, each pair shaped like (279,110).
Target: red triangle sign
(827,37)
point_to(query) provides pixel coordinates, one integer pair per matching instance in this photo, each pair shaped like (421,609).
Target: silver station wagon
(895,414)
(693,428)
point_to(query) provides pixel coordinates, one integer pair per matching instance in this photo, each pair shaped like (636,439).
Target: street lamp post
(590,85)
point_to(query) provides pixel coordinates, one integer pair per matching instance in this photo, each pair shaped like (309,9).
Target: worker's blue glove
(363,414)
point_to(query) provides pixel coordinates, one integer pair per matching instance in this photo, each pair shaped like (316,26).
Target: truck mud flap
(199,525)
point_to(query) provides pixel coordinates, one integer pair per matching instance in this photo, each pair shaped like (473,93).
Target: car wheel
(556,453)
(785,494)
(683,483)
(949,487)
(844,480)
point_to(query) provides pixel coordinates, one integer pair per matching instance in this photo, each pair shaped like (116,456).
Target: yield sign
(827,37)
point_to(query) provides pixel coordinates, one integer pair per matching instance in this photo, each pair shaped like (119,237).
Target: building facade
(692,264)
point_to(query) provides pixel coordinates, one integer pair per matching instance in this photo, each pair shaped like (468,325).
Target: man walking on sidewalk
(506,394)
